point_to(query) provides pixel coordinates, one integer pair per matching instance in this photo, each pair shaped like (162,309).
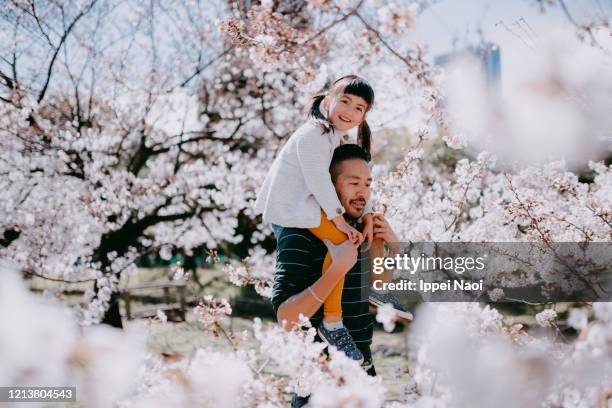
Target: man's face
(353,186)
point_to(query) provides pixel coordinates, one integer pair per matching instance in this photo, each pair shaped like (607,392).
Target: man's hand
(383,230)
(368,231)
(343,256)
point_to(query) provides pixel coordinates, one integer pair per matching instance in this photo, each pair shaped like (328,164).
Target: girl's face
(346,111)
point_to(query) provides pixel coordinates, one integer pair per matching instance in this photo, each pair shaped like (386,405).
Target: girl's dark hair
(352,85)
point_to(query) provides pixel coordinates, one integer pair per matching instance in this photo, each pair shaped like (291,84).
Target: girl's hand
(383,230)
(368,230)
(353,235)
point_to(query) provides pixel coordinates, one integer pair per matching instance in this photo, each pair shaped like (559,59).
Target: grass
(389,349)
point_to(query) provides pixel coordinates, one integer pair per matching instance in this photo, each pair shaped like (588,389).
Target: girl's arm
(313,149)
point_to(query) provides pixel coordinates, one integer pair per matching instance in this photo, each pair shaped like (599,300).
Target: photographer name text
(428,287)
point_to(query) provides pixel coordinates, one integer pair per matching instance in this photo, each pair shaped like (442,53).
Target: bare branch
(199,69)
(67,32)
(587,28)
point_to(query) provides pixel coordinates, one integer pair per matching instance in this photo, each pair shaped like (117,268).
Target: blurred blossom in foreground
(386,315)
(557,107)
(577,319)
(42,345)
(465,355)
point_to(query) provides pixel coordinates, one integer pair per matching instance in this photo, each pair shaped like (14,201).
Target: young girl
(298,191)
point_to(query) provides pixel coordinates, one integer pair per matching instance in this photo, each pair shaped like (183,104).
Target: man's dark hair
(346,152)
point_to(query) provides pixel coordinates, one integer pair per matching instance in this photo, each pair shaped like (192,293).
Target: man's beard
(353,220)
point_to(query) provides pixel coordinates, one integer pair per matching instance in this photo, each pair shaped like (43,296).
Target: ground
(389,349)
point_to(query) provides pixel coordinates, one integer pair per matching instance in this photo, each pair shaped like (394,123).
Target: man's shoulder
(300,237)
(298,246)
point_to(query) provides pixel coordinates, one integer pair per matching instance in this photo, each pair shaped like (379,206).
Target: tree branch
(203,67)
(59,46)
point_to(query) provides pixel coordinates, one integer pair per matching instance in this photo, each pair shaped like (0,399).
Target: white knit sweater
(298,185)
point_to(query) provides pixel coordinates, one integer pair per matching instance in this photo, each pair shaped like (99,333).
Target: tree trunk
(112,317)
(119,241)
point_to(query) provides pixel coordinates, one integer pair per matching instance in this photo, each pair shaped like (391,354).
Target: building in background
(487,53)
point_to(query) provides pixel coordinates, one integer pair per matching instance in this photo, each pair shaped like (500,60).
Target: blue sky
(440,22)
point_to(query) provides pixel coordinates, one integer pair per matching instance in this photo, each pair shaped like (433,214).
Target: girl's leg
(332,308)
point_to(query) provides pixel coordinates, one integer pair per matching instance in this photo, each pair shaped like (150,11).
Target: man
(299,286)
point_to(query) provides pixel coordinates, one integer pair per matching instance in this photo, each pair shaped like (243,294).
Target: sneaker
(342,340)
(378,299)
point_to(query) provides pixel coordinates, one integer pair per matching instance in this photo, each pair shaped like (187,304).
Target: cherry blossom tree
(128,129)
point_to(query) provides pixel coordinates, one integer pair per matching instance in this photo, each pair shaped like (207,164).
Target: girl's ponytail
(364,137)
(315,113)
